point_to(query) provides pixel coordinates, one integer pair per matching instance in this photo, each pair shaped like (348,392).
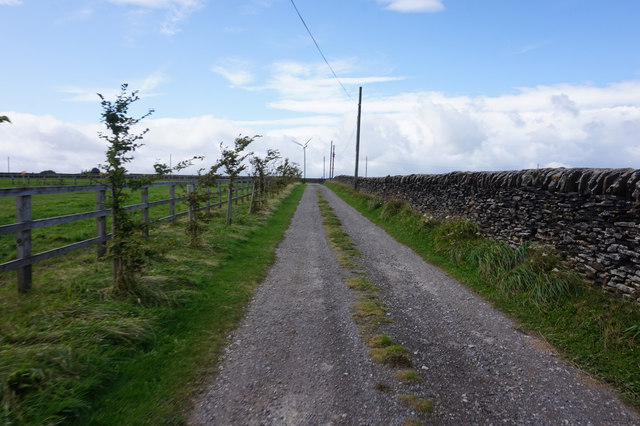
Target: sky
(448,85)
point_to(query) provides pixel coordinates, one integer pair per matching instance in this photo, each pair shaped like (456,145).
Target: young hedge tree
(125,248)
(287,172)
(232,163)
(260,172)
(196,196)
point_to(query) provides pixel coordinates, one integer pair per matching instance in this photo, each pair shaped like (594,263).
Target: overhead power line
(320,50)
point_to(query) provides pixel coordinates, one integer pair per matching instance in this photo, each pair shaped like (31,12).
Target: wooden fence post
(208,200)
(229,196)
(219,194)
(253,191)
(144,192)
(172,202)
(192,213)
(23,241)
(101,222)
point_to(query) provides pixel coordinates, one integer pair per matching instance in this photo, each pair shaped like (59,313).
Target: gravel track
(298,357)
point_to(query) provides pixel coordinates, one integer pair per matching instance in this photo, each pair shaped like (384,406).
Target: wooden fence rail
(24,223)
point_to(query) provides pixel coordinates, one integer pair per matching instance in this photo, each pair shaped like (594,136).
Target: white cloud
(410,6)
(233,30)
(75,16)
(177,10)
(531,47)
(146,87)
(563,103)
(150,83)
(235,70)
(255,7)
(158,4)
(36,143)
(328,106)
(10,2)
(303,87)
(310,120)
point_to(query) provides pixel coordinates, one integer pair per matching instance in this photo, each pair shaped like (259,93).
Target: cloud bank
(417,132)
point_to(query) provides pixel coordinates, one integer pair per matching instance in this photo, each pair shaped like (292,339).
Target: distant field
(48,181)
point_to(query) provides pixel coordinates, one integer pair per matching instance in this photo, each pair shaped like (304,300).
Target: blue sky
(447,84)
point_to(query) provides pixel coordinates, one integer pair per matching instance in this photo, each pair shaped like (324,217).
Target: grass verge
(70,355)
(596,331)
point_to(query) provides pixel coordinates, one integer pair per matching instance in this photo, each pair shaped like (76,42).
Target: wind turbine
(304,151)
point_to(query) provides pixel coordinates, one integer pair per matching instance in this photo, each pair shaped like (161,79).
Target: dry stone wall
(590,216)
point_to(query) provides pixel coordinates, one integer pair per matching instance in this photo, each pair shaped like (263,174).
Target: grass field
(69,353)
(52,205)
(595,330)
(26,181)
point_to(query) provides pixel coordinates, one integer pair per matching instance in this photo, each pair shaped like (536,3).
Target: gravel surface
(298,357)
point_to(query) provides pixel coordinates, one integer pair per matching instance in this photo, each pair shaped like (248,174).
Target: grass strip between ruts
(369,312)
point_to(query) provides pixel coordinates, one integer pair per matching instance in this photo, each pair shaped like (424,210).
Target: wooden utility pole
(355,178)
(330,159)
(333,160)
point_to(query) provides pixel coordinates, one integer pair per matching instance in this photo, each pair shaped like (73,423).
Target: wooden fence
(24,224)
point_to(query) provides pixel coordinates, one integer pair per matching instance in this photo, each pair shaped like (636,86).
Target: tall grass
(597,331)
(69,353)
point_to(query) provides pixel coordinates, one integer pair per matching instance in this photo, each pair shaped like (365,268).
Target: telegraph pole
(355,178)
(331,160)
(334,162)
